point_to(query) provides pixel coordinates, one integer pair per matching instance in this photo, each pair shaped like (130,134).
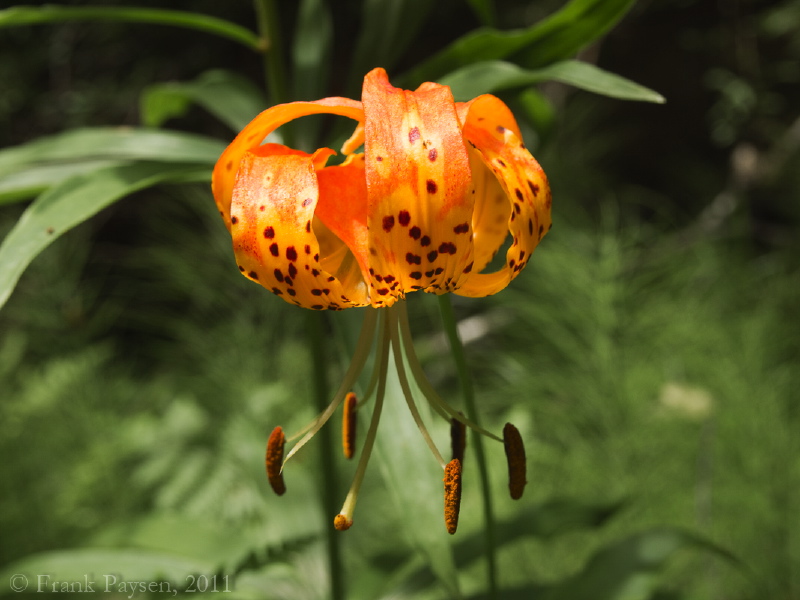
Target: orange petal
(272,213)
(417,173)
(491,130)
(224,176)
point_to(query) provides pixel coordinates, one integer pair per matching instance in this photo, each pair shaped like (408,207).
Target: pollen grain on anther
(452,494)
(515,454)
(349,425)
(274,460)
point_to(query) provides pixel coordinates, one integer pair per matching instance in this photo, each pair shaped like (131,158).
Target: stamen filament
(458,439)
(362,351)
(439,405)
(345,517)
(401,375)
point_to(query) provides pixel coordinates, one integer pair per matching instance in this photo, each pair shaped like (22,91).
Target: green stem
(327,450)
(269,30)
(457,348)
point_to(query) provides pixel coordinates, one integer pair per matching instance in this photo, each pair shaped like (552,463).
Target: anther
(452,494)
(342,523)
(349,425)
(274,460)
(515,454)
(458,438)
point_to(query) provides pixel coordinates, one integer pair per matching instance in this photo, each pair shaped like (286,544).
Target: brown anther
(515,454)
(274,460)
(349,425)
(458,439)
(452,494)
(342,523)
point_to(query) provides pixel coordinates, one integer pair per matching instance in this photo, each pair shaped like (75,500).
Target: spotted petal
(418,174)
(251,137)
(273,230)
(524,206)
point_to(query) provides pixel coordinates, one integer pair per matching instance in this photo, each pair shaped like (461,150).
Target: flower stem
(457,349)
(269,30)
(329,492)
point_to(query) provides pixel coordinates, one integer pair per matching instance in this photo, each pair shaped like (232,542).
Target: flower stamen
(274,460)
(344,519)
(458,439)
(349,423)
(452,494)
(515,455)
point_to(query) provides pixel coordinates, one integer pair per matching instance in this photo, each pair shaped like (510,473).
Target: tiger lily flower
(438,188)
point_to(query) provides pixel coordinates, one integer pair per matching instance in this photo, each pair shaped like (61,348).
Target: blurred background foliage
(649,353)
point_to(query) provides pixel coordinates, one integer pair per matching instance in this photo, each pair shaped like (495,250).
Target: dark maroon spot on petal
(501,129)
(308,249)
(315,273)
(289,281)
(308,226)
(415,232)
(388,279)
(274,250)
(229,165)
(518,192)
(541,230)
(379,158)
(317,306)
(277,291)
(404,218)
(234,220)
(316,292)
(388,223)
(278,275)
(331,278)
(291,292)
(379,278)
(253,275)
(463,228)
(292,270)
(241,268)
(307,201)
(439,271)
(501,163)
(413,135)
(326,291)
(431,186)
(447,248)
(517,208)
(425,241)
(432,154)
(262,208)
(383,291)
(291,253)
(534,187)
(511,263)
(429,273)
(316,258)
(468,268)
(521,254)
(530,226)
(432,255)
(413,259)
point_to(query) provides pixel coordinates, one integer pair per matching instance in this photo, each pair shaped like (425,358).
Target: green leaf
(557,37)
(492,76)
(73,201)
(229,97)
(32,180)
(628,569)
(49,13)
(484,10)
(109,143)
(388,27)
(100,569)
